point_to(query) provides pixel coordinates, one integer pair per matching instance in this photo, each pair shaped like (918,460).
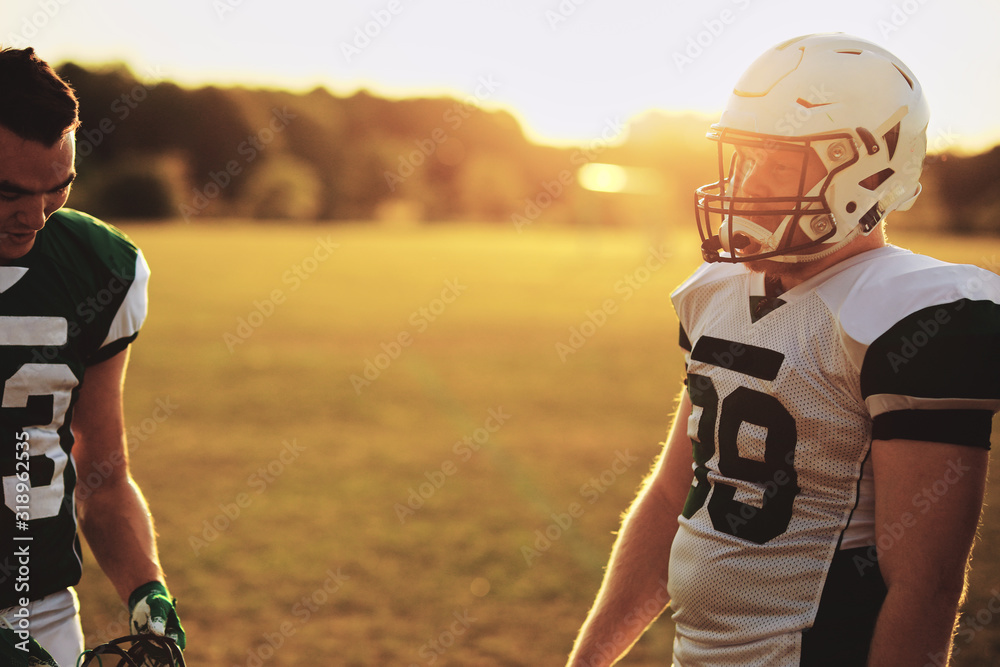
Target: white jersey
(780,516)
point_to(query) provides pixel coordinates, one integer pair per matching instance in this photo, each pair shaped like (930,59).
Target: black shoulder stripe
(946,351)
(958,427)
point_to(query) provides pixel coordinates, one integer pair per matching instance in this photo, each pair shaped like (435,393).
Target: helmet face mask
(849,121)
(144,650)
(750,226)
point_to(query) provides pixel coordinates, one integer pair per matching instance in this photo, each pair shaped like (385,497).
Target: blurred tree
(136,194)
(283,188)
(101,108)
(238,151)
(139,186)
(969,190)
(492,187)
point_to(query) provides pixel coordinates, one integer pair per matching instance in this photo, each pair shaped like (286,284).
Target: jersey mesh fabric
(746,571)
(722,585)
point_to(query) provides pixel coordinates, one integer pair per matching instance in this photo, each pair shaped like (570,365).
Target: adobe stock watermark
(32,26)
(562,13)
(910,346)
(437,646)
(970,625)
(89,481)
(454,117)
(89,138)
(301,612)
(899,16)
(258,482)
(550,191)
(421,319)
(639,616)
(592,490)
(792,122)
(893,531)
(943,139)
(928,328)
(246,152)
(937,149)
(626,288)
(117,627)
(111,295)
(704,39)
(293,277)
(139,433)
(366,33)
(224,7)
(464,449)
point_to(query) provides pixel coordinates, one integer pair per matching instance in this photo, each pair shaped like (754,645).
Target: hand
(152,610)
(15,648)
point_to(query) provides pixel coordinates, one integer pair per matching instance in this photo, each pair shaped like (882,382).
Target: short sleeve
(935,375)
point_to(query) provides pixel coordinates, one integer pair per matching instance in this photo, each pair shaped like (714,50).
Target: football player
(72,299)
(839,393)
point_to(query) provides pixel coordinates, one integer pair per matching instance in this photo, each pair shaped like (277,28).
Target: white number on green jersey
(39,381)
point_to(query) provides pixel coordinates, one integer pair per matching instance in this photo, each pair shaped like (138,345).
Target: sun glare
(601,177)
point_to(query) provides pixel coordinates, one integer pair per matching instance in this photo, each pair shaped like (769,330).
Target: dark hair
(35,103)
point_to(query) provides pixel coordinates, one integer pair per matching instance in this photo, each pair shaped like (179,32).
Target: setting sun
(565,69)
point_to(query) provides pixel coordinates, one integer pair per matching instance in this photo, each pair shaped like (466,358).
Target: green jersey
(78,297)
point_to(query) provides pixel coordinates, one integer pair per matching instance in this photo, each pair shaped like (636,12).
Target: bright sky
(569,68)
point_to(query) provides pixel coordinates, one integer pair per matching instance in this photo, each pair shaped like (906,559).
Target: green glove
(152,610)
(15,651)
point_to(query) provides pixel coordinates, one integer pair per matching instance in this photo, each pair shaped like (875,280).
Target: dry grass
(278,483)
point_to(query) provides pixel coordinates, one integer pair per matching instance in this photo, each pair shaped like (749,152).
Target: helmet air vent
(909,81)
(870,219)
(891,139)
(872,182)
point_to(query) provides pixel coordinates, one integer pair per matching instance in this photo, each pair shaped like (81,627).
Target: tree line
(150,149)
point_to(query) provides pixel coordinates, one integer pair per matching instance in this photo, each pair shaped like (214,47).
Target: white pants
(55,625)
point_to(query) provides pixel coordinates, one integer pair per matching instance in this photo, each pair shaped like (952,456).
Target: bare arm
(113,514)
(928,499)
(633,593)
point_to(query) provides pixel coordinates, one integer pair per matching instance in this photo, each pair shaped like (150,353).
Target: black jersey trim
(684,341)
(761,306)
(958,427)
(943,351)
(111,349)
(857,497)
(845,620)
(758,362)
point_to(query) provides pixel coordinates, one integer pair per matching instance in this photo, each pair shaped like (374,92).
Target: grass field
(366,446)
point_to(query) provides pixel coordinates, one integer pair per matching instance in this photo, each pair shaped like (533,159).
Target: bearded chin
(771,267)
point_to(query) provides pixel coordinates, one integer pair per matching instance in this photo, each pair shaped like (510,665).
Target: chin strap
(755,233)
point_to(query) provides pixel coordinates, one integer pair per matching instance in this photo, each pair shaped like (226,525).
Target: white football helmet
(853,104)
